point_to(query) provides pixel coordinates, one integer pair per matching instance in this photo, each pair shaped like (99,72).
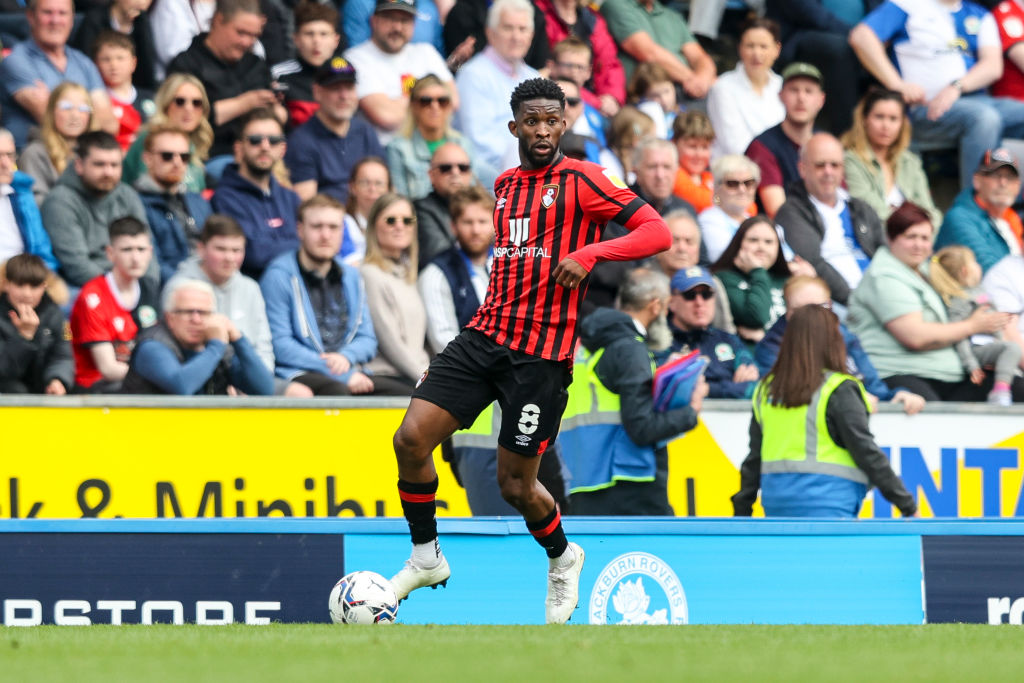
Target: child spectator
(693,135)
(316,40)
(627,129)
(654,93)
(112,308)
(572,63)
(131,19)
(956,275)
(35,355)
(114,54)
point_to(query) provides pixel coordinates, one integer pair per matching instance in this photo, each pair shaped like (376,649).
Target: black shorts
(473,371)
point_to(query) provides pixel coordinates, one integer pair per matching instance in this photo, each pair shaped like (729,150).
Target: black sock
(419,508)
(548,532)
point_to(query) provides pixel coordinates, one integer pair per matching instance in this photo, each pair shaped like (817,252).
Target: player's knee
(408,443)
(516,492)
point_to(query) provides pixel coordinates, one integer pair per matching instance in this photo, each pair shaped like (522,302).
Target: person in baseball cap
(335,70)
(408,6)
(995,159)
(802,70)
(686,279)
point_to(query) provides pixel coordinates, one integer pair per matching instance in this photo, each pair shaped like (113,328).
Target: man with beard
(249,193)
(619,461)
(518,347)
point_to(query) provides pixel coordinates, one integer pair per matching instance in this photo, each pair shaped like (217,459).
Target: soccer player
(518,348)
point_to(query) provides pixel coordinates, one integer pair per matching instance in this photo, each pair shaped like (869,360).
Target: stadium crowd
(262,197)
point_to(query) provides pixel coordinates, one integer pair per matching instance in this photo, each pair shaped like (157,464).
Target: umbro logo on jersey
(500,203)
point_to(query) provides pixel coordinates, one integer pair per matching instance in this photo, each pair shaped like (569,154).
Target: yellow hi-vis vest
(594,445)
(796,440)
(483,433)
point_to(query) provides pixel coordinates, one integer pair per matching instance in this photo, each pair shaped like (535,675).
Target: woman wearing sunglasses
(182,103)
(735,184)
(427,126)
(389,272)
(68,115)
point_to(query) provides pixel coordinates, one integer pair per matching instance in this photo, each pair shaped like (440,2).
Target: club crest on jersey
(549,195)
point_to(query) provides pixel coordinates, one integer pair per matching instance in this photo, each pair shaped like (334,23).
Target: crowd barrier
(138,457)
(637,571)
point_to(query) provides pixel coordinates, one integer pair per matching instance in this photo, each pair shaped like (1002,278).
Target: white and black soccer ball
(363,597)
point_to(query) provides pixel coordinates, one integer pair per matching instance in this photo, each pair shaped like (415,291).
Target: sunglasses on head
(68,105)
(692,294)
(256,140)
(425,101)
(749,183)
(169,156)
(407,220)
(448,168)
(182,101)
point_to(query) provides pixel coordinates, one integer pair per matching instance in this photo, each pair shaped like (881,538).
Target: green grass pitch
(314,652)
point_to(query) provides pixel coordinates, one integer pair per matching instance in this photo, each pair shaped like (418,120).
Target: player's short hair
(693,124)
(108,37)
(220,225)
(499,6)
(467,196)
(126,226)
(536,89)
(95,139)
(571,44)
(182,284)
(308,11)
(641,287)
(158,129)
(26,269)
(227,9)
(319,201)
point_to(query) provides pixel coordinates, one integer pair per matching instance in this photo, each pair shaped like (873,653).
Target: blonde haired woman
(68,115)
(181,102)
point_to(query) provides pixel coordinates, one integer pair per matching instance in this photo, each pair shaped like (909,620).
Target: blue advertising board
(974,579)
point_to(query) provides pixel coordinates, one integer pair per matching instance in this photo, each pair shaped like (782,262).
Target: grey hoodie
(77,221)
(241,300)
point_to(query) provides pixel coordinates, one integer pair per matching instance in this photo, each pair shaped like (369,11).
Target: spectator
(802,469)
(68,115)
(450,170)
(902,322)
(693,136)
(777,149)
(754,270)
(619,461)
(112,308)
(834,232)
(565,18)
(40,63)
(114,55)
(453,284)
(735,183)
(130,18)
(389,271)
(880,168)
(88,197)
(251,194)
(21,226)
(654,93)
(626,130)
(180,102)
(316,41)
(731,372)
(236,81)
(802,290)
(427,126)
(982,216)
(945,58)
(465,34)
(218,261)
(358,19)
(180,22)
(35,356)
(1009,18)
(648,31)
(571,62)
(1004,284)
(195,351)
(322,151)
(574,145)
(369,181)
(486,81)
(955,275)
(744,102)
(395,63)
(175,214)
(815,31)
(319,319)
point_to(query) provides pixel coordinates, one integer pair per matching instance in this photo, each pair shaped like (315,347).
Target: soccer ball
(363,598)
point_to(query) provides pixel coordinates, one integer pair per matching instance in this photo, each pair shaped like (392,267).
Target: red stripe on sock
(546,531)
(417,497)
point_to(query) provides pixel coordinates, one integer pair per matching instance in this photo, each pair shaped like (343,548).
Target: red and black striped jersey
(541,217)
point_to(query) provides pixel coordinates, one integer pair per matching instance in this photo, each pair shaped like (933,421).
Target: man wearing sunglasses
(450,170)
(176,215)
(731,371)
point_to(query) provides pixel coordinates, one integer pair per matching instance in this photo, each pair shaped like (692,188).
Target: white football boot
(564,588)
(410,577)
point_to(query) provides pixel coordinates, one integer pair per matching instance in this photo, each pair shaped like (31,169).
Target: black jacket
(804,231)
(433,227)
(35,362)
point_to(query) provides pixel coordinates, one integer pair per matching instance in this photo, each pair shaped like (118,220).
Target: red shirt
(96,318)
(541,217)
(129,121)
(1009,16)
(609,76)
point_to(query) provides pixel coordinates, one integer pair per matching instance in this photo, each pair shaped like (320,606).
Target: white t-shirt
(378,72)
(835,246)
(738,114)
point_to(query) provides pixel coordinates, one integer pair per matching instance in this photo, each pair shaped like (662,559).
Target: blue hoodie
(267,219)
(297,340)
(30,222)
